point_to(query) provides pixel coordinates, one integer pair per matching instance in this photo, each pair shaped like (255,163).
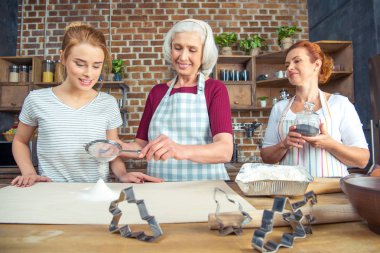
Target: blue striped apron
(319,162)
(183,117)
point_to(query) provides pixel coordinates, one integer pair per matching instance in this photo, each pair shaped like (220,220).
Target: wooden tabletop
(189,237)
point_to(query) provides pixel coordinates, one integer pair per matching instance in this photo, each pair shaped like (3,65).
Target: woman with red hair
(341,142)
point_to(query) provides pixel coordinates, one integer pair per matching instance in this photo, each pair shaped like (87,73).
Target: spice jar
(23,75)
(307,122)
(47,71)
(13,73)
(30,74)
(58,73)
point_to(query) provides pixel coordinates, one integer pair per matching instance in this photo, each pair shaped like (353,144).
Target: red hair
(315,53)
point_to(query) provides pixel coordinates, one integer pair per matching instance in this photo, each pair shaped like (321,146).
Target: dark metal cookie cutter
(237,224)
(294,218)
(125,231)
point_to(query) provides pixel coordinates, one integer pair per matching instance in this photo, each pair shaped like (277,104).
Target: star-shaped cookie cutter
(234,226)
(294,217)
(125,231)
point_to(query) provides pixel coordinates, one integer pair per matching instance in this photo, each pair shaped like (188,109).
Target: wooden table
(190,237)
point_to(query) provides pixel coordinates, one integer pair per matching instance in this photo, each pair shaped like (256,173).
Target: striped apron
(183,117)
(319,162)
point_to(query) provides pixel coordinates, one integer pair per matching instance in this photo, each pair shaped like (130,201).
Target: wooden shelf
(274,83)
(332,46)
(240,92)
(233,59)
(249,108)
(237,82)
(105,84)
(14,84)
(10,109)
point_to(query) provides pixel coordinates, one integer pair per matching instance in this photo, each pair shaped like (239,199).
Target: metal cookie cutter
(294,218)
(125,231)
(235,223)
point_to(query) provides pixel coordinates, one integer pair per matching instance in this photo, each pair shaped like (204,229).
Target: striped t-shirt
(63,132)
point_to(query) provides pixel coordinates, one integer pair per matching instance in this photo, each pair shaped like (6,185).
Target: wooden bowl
(8,137)
(364,194)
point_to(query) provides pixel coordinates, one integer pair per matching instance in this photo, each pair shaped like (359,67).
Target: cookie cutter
(236,226)
(125,231)
(294,218)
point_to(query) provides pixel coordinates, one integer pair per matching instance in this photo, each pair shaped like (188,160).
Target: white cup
(279,74)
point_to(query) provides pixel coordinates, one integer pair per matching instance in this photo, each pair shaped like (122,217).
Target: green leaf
(252,42)
(117,66)
(286,32)
(226,39)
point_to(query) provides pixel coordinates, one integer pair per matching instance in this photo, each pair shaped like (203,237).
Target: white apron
(319,162)
(183,117)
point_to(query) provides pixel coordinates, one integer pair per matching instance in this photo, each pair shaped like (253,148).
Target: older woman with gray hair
(185,132)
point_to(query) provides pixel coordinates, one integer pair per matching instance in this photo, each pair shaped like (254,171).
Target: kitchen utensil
(234,222)
(364,194)
(125,231)
(106,150)
(290,213)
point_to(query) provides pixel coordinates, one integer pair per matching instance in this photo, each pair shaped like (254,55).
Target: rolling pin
(323,214)
(324,185)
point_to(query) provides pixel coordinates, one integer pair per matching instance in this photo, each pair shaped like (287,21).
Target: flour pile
(100,192)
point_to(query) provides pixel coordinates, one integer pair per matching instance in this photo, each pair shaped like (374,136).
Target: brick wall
(137,29)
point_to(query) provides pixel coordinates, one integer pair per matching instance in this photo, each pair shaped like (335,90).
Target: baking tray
(258,179)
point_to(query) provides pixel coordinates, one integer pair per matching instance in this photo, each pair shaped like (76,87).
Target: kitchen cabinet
(229,69)
(12,94)
(244,94)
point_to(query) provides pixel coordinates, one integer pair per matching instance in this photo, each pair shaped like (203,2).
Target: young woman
(70,115)
(186,128)
(341,141)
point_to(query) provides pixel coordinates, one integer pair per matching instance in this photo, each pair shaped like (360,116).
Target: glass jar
(307,122)
(58,73)
(284,94)
(23,75)
(13,74)
(47,71)
(30,74)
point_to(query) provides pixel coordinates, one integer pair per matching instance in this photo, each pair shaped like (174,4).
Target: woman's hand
(29,180)
(138,177)
(162,148)
(293,139)
(319,141)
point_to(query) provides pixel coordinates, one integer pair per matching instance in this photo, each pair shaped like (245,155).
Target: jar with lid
(307,122)
(58,73)
(47,71)
(30,74)
(23,75)
(13,74)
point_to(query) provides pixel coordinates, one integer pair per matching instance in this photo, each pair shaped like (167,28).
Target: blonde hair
(77,33)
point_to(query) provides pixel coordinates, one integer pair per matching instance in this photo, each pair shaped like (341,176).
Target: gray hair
(210,51)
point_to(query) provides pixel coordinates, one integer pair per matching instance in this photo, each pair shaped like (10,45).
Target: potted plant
(263,101)
(117,69)
(226,40)
(252,45)
(285,34)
